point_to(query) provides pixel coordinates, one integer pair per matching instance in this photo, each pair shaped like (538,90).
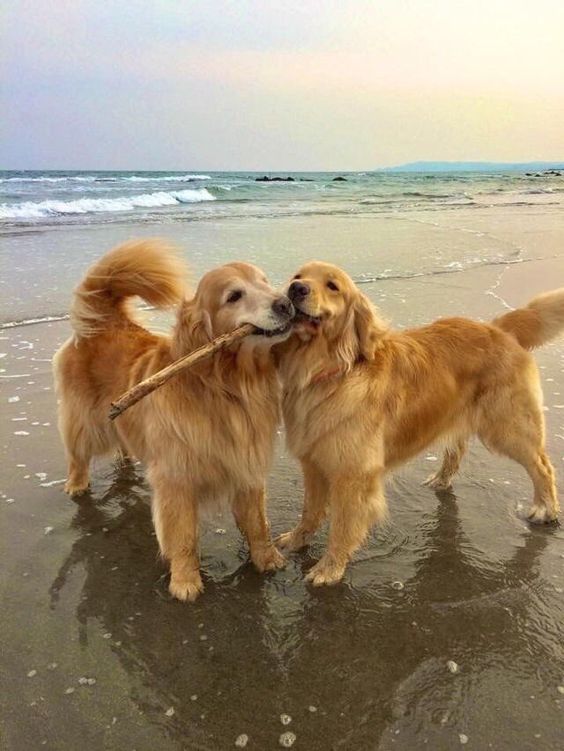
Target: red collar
(326,375)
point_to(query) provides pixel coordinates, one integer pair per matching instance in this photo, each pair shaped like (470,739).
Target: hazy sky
(274,85)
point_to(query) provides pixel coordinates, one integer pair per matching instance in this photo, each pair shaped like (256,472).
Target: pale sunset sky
(261,85)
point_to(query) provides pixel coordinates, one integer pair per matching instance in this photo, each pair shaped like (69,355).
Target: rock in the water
(340,180)
(266,179)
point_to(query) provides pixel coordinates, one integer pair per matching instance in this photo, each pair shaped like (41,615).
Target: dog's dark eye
(298,276)
(235,295)
(333,286)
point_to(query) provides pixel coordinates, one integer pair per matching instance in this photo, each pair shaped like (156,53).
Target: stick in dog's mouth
(147,386)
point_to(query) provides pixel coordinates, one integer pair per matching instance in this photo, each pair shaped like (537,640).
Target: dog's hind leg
(249,509)
(442,480)
(84,438)
(516,430)
(545,506)
(175,516)
(356,503)
(316,493)
(79,448)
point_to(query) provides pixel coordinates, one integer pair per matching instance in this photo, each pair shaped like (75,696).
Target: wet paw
(75,488)
(542,515)
(438,482)
(292,540)
(268,559)
(325,571)
(186,588)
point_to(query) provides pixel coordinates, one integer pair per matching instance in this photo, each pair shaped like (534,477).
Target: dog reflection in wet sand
(360,399)
(206,434)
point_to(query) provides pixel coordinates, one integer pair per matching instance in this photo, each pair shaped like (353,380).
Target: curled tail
(145,268)
(540,322)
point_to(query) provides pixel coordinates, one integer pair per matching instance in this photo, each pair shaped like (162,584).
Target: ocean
(378,225)
(56,197)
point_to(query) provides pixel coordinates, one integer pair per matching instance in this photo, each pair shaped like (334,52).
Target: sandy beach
(449,626)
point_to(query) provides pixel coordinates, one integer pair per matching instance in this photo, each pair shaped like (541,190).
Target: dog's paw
(438,482)
(325,571)
(268,559)
(186,588)
(542,515)
(292,540)
(72,487)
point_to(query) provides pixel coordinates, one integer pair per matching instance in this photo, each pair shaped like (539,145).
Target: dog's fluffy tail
(540,322)
(147,268)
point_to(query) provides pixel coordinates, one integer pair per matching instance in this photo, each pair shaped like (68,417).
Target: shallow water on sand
(448,627)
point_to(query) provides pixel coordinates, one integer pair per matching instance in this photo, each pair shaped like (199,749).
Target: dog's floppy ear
(193,327)
(369,327)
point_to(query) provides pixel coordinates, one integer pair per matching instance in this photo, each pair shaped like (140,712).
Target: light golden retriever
(208,433)
(360,399)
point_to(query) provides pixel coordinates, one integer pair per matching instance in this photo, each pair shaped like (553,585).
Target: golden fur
(360,399)
(208,433)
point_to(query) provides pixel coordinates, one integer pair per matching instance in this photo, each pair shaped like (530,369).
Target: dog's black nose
(283,307)
(297,291)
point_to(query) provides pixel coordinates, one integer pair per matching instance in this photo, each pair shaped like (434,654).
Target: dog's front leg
(316,491)
(175,516)
(249,509)
(356,502)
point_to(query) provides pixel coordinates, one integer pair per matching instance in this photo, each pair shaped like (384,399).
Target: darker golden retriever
(360,399)
(209,432)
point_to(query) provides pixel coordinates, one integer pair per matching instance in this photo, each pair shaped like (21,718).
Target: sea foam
(165,178)
(99,178)
(39,209)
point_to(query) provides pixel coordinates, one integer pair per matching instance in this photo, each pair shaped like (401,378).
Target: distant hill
(473,167)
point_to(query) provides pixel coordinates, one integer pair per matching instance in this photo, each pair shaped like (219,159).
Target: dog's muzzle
(283,313)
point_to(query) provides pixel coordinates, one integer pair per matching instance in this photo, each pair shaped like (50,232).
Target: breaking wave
(40,209)
(104,179)
(166,178)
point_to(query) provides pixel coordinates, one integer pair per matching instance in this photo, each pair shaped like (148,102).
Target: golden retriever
(360,399)
(208,433)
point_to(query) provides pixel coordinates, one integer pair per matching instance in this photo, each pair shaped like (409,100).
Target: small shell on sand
(241,740)
(287,739)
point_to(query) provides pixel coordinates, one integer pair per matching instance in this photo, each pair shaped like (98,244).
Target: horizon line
(285,169)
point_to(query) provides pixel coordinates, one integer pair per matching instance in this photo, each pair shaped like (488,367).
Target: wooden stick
(145,387)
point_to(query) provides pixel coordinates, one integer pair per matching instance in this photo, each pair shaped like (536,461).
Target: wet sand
(448,629)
